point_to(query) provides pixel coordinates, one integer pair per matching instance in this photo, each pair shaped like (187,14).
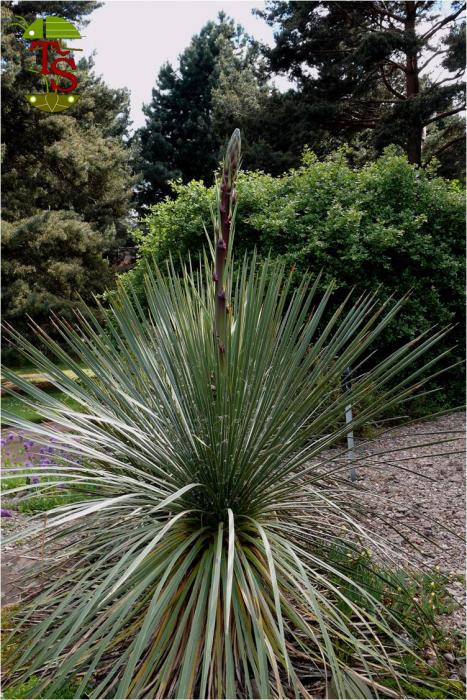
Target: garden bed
(427,504)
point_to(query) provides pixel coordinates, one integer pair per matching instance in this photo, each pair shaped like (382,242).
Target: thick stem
(227,199)
(220,325)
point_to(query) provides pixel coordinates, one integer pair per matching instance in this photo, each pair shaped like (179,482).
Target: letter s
(64,74)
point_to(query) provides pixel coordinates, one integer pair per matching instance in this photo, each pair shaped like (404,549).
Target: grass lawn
(14,405)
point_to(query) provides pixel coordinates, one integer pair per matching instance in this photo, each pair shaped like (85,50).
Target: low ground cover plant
(201,560)
(20,451)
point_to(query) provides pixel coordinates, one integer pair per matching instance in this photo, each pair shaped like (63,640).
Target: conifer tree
(52,262)
(66,178)
(178,139)
(368,65)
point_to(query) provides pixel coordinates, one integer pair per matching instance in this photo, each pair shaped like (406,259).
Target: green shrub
(388,225)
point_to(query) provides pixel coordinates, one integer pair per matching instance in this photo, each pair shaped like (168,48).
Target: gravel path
(429,498)
(427,503)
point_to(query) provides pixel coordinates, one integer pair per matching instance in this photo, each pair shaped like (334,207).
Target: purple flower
(5,513)
(3,442)
(35,479)
(50,450)
(28,444)
(44,462)
(42,451)
(28,464)
(11,436)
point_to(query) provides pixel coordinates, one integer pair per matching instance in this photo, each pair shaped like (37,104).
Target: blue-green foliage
(389,225)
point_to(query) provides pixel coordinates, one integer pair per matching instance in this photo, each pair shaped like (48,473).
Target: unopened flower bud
(232,156)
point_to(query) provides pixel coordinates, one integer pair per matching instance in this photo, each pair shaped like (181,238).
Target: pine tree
(66,178)
(363,65)
(178,140)
(76,160)
(445,142)
(260,111)
(242,99)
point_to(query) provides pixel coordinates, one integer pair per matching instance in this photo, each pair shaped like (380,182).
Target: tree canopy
(179,139)
(368,74)
(70,170)
(367,65)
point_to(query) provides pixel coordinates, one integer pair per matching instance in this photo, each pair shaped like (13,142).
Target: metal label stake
(346,387)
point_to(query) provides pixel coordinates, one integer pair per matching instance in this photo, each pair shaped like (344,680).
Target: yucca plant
(198,562)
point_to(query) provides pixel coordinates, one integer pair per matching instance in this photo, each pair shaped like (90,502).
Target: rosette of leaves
(198,562)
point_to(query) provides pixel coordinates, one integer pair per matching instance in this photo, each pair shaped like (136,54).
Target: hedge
(387,225)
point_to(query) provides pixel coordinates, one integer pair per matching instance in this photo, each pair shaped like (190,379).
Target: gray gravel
(431,500)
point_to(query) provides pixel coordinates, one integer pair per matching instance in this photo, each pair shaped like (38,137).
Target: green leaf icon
(51,28)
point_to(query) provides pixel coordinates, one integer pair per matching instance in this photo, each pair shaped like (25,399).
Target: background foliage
(368,74)
(364,65)
(39,279)
(67,180)
(179,138)
(387,224)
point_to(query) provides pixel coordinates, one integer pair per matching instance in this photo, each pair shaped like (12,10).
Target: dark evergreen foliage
(52,262)
(66,182)
(178,139)
(363,65)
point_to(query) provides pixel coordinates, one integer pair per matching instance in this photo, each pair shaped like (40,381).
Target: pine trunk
(414,125)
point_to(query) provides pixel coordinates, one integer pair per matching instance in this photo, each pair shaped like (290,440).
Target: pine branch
(448,145)
(386,13)
(458,75)
(390,87)
(397,65)
(436,53)
(444,114)
(431,32)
